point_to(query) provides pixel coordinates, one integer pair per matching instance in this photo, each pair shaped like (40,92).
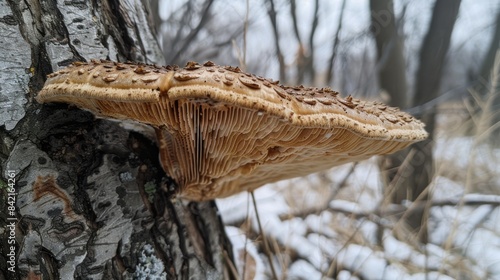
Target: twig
(264,239)
(245,254)
(303,213)
(343,183)
(195,31)
(231,265)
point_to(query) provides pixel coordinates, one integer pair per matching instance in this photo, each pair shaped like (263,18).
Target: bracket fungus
(221,131)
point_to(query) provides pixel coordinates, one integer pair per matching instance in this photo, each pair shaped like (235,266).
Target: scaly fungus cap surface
(221,131)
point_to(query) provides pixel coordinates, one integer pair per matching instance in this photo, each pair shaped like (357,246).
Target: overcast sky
(472,31)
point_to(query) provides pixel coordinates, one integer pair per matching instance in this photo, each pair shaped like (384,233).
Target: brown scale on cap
(222,131)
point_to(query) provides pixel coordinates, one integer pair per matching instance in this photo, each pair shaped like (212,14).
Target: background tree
(410,172)
(335,46)
(391,64)
(92,197)
(305,52)
(271,12)
(486,100)
(192,32)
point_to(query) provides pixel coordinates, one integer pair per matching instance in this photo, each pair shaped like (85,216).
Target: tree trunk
(271,12)
(432,61)
(391,62)
(331,61)
(391,68)
(418,173)
(409,172)
(301,50)
(305,53)
(90,199)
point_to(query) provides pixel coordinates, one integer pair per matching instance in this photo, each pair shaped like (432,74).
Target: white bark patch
(42,204)
(116,214)
(140,32)
(83,32)
(14,77)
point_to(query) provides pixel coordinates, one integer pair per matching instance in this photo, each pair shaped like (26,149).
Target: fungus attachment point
(221,131)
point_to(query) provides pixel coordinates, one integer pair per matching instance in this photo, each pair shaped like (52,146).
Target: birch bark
(89,201)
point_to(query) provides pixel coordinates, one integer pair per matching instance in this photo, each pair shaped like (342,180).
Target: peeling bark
(92,198)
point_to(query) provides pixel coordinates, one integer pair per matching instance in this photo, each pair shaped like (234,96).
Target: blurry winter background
(430,212)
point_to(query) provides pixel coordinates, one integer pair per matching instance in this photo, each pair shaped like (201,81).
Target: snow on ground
(348,236)
(302,269)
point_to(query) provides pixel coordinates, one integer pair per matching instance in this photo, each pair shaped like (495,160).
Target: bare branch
(314,26)
(336,41)
(301,59)
(271,11)
(189,39)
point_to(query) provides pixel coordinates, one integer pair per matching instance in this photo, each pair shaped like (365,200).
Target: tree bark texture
(92,200)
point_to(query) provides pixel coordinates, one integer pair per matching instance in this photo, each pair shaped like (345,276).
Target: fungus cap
(221,131)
